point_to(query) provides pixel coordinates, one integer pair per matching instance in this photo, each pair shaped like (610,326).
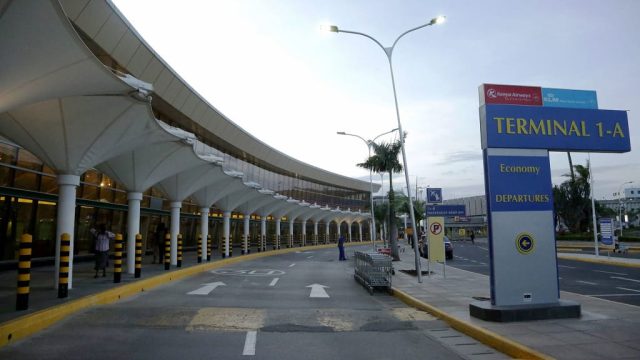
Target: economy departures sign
(519,126)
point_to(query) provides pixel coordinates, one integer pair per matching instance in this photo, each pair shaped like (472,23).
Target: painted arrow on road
(317,291)
(207,288)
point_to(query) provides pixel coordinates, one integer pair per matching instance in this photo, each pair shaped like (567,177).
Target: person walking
(473,236)
(101,247)
(341,248)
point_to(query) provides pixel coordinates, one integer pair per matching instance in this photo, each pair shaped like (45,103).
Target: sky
(267,67)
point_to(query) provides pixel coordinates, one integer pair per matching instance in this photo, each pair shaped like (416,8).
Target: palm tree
(385,159)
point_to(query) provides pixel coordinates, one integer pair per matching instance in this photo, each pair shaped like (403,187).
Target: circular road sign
(525,243)
(435,228)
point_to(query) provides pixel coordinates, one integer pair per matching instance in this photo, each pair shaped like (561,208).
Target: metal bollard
(179,250)
(199,248)
(117,260)
(167,252)
(208,247)
(63,273)
(138,264)
(224,247)
(24,272)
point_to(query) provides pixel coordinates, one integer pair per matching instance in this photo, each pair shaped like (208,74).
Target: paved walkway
(606,330)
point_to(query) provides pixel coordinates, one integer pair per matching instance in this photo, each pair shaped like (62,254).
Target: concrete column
(67,185)
(349,231)
(338,233)
(133,228)
(304,232)
(175,230)
(315,233)
(291,232)
(245,241)
(277,244)
(360,230)
(326,232)
(263,233)
(204,229)
(226,231)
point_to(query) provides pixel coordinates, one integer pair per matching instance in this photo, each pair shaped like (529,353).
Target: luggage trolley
(373,270)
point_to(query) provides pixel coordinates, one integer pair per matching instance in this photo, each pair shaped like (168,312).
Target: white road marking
(207,288)
(586,282)
(483,248)
(607,295)
(621,278)
(610,272)
(634,290)
(274,281)
(473,261)
(565,266)
(317,291)
(250,343)
(310,257)
(292,265)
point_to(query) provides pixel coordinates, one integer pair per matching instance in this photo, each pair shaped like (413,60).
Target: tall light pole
(389,52)
(369,144)
(620,203)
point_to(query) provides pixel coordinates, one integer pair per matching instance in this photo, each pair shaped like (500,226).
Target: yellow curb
(28,325)
(487,337)
(569,249)
(599,261)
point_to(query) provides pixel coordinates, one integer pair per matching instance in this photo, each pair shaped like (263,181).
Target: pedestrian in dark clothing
(101,247)
(158,245)
(473,237)
(341,248)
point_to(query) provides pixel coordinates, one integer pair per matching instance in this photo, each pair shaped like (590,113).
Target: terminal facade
(273,189)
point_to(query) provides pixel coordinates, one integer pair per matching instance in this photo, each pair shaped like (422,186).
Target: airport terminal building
(95,128)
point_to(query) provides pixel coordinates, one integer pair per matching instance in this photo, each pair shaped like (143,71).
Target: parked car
(448,249)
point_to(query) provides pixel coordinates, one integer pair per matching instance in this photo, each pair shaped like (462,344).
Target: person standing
(102,238)
(473,236)
(341,248)
(158,243)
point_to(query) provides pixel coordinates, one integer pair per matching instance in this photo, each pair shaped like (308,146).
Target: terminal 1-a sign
(519,126)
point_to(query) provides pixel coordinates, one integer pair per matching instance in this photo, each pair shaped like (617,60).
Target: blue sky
(268,68)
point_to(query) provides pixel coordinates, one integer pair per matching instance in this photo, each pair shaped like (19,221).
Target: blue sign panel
(559,129)
(606,230)
(434,195)
(519,183)
(446,210)
(577,99)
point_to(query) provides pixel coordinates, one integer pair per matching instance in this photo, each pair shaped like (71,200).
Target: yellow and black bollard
(138,264)
(117,259)
(244,242)
(230,245)
(208,247)
(199,248)
(224,247)
(179,250)
(63,274)
(167,252)
(24,272)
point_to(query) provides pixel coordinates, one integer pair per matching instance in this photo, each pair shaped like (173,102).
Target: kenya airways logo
(492,93)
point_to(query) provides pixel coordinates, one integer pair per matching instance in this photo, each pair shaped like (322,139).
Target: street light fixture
(369,144)
(389,52)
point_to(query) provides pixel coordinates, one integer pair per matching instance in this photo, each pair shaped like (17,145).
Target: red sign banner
(510,95)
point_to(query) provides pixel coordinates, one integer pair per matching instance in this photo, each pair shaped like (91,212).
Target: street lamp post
(620,203)
(389,52)
(369,144)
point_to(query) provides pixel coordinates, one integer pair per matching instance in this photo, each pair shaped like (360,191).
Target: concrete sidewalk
(606,330)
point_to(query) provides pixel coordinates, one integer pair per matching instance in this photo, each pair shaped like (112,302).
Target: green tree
(418,208)
(385,159)
(572,199)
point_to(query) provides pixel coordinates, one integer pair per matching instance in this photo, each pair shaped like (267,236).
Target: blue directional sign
(606,230)
(554,129)
(446,210)
(434,195)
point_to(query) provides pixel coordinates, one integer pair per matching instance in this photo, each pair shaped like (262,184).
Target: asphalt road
(615,283)
(268,308)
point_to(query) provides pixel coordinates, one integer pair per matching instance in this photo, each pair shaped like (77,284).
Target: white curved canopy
(234,199)
(252,205)
(179,186)
(46,57)
(74,134)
